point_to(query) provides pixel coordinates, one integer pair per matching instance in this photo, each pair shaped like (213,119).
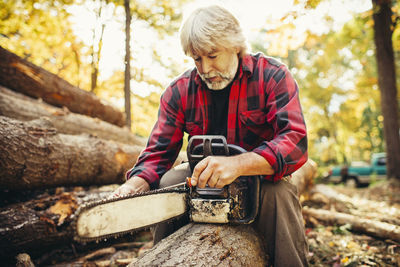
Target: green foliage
(337,76)
(40,32)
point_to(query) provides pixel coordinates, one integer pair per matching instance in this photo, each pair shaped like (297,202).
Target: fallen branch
(359,206)
(374,228)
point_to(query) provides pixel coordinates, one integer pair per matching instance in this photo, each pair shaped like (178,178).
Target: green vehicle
(360,173)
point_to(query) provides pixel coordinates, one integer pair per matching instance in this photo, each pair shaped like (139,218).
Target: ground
(334,245)
(330,245)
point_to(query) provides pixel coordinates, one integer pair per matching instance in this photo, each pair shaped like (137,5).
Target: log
(29,226)
(371,227)
(207,245)
(21,107)
(24,77)
(43,224)
(358,206)
(33,155)
(304,177)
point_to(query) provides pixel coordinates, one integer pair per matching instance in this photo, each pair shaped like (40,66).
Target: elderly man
(253,101)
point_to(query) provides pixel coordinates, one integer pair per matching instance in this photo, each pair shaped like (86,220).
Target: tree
(382,15)
(97,43)
(127,83)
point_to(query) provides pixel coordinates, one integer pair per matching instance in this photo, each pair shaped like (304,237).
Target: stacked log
(34,155)
(53,136)
(22,76)
(18,106)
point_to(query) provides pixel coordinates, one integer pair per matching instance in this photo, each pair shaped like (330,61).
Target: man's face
(217,68)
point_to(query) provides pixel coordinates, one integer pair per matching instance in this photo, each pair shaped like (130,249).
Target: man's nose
(205,66)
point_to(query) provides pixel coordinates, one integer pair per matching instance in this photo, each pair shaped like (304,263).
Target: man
(250,99)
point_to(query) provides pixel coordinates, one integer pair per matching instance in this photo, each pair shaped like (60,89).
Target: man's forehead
(207,52)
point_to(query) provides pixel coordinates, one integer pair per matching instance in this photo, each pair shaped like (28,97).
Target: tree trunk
(207,245)
(27,78)
(33,155)
(370,227)
(382,15)
(21,107)
(127,81)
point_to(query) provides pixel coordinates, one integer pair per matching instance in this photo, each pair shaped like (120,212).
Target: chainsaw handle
(202,146)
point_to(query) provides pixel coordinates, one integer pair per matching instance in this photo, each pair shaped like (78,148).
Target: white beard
(227,77)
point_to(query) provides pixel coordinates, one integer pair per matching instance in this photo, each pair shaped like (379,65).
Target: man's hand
(132,186)
(218,171)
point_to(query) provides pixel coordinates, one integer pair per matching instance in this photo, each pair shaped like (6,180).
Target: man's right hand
(134,185)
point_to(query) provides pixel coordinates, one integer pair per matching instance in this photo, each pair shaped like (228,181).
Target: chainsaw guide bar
(114,217)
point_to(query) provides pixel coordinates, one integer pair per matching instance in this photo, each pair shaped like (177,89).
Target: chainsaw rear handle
(202,146)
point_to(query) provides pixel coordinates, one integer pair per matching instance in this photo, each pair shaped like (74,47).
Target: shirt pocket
(194,128)
(255,124)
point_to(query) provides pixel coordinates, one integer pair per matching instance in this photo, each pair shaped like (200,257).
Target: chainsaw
(237,203)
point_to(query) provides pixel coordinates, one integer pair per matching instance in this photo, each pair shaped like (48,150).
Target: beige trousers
(279,221)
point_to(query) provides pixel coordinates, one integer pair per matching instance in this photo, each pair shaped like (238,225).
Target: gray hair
(210,28)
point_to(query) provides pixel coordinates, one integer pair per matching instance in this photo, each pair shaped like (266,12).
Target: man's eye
(197,59)
(212,57)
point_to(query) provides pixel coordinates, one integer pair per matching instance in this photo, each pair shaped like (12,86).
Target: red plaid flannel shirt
(264,116)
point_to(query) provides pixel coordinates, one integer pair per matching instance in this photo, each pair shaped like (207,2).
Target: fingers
(207,172)
(132,186)
(220,183)
(212,181)
(123,190)
(198,170)
(204,177)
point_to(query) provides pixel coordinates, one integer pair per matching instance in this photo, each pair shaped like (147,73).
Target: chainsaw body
(237,203)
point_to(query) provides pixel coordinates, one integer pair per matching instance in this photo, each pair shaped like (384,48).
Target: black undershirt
(218,112)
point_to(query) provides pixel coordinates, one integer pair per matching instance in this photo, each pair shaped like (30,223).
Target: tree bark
(207,245)
(21,107)
(382,15)
(27,78)
(27,226)
(43,224)
(127,79)
(304,177)
(33,155)
(374,228)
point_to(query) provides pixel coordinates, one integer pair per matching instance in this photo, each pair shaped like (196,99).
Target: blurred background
(327,44)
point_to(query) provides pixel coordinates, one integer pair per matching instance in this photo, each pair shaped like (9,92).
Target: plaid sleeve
(165,140)
(287,151)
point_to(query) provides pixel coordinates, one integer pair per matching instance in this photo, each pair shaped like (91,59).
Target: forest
(83,79)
